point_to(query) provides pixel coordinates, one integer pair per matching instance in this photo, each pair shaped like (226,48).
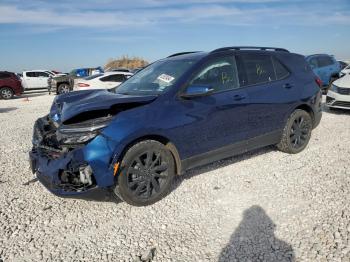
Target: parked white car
(338,95)
(101,81)
(36,79)
(345,71)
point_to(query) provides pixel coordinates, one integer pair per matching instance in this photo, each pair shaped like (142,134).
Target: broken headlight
(81,133)
(78,139)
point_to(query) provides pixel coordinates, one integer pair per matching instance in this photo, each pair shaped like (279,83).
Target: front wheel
(63,88)
(6,93)
(297,132)
(147,172)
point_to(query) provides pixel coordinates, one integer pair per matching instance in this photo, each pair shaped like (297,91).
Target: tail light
(318,82)
(83,85)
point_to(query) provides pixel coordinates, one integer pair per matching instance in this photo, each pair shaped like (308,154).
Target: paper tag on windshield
(165,78)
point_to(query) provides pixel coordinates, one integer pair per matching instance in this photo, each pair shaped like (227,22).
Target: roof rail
(250,48)
(182,53)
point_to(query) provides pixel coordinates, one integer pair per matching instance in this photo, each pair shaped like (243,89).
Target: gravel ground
(261,206)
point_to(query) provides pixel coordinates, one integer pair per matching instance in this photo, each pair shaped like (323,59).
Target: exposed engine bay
(60,138)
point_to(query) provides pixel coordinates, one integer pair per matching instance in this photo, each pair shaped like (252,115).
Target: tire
(63,88)
(146,174)
(297,132)
(6,93)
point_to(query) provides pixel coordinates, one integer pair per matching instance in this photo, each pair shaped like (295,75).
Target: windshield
(155,78)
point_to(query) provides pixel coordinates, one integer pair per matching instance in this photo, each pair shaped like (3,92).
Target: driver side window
(219,74)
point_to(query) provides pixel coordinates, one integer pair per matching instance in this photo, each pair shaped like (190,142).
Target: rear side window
(324,61)
(31,74)
(280,70)
(313,62)
(259,68)
(113,78)
(92,76)
(42,74)
(4,75)
(256,69)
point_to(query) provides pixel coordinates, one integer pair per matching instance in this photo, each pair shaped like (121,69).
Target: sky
(67,34)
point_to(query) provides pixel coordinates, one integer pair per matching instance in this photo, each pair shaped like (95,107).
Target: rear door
(271,90)
(42,79)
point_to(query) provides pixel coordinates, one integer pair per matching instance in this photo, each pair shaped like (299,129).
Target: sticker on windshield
(165,78)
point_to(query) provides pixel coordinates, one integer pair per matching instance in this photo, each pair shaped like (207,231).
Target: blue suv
(325,67)
(180,112)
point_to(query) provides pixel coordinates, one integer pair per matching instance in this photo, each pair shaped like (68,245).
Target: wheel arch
(161,139)
(308,109)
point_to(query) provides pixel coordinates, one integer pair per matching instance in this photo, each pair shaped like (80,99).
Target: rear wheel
(6,93)
(147,172)
(63,88)
(297,132)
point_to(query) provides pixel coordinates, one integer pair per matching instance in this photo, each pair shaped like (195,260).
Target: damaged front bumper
(84,169)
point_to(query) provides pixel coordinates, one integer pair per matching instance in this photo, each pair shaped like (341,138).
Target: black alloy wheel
(299,132)
(146,174)
(296,133)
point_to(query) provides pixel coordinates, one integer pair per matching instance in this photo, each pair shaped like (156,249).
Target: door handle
(288,86)
(238,97)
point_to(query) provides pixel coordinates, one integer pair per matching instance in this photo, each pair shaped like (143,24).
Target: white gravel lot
(262,206)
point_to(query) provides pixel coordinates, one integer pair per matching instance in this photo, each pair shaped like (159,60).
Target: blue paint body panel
(194,126)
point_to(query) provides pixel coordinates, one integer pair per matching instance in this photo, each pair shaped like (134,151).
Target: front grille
(344,91)
(341,103)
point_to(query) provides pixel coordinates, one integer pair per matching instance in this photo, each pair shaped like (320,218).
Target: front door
(214,121)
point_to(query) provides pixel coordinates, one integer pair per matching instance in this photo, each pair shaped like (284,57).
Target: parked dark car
(180,112)
(10,85)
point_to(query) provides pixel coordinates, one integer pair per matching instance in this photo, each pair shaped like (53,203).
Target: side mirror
(197,90)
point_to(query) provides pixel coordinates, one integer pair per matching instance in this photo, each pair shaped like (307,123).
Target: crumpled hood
(68,105)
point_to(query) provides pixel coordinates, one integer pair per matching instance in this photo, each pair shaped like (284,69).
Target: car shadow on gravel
(99,196)
(8,109)
(29,94)
(254,240)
